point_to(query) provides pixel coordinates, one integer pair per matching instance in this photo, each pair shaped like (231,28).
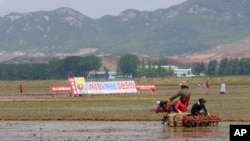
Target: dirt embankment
(233,50)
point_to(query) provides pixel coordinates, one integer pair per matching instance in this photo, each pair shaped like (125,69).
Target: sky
(90,8)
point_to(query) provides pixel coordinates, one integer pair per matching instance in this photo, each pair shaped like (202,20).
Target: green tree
(128,64)
(199,68)
(90,63)
(235,67)
(223,67)
(245,66)
(149,71)
(212,67)
(73,66)
(55,69)
(162,62)
(80,66)
(142,69)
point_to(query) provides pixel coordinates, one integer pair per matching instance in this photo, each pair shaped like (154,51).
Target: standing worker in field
(222,88)
(207,86)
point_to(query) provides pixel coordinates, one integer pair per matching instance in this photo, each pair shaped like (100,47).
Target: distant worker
(199,85)
(198,107)
(222,88)
(207,84)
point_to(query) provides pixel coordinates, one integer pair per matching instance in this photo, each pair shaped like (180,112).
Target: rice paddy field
(37,102)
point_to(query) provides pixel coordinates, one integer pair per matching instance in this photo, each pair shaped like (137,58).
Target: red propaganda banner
(60,88)
(146,87)
(77,85)
(72,84)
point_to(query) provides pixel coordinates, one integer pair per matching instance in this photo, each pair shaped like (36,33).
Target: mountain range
(193,27)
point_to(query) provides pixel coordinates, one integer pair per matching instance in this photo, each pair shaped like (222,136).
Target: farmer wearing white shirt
(222,88)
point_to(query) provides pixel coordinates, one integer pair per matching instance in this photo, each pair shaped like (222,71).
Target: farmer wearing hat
(184,93)
(178,107)
(198,106)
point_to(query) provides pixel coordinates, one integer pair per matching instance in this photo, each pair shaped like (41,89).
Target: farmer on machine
(181,106)
(184,95)
(198,106)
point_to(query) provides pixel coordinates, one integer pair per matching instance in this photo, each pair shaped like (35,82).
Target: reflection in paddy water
(108,130)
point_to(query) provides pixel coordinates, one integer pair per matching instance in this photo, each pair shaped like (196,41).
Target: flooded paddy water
(109,130)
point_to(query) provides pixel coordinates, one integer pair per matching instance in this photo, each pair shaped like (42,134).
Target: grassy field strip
(111,108)
(37,103)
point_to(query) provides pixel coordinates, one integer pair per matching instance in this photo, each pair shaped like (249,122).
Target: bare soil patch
(239,49)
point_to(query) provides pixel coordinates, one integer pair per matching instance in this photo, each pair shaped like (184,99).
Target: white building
(108,75)
(183,72)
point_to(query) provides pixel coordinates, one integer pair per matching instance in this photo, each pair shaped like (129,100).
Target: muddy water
(108,130)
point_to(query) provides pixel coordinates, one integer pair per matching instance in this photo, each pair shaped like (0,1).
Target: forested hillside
(193,26)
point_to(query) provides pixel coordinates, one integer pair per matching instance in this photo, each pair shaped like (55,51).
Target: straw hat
(183,83)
